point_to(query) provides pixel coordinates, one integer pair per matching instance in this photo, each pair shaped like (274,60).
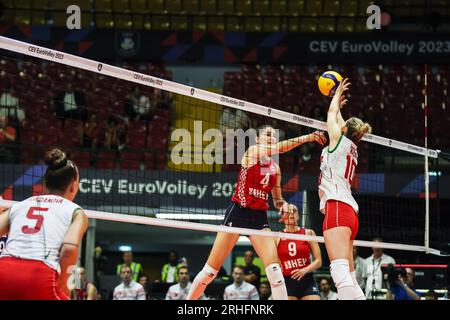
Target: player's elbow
(68,251)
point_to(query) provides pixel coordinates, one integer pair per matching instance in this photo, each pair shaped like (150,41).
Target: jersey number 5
(32,216)
(350,169)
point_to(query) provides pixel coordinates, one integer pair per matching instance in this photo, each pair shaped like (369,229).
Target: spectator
(240,289)
(372,270)
(402,288)
(7,137)
(431,295)
(359,268)
(71,104)
(83,289)
(252,273)
(138,106)
(100,263)
(9,107)
(135,267)
(143,281)
(325,290)
(128,289)
(169,272)
(180,290)
(264,291)
(89,132)
(318,113)
(234,119)
(115,134)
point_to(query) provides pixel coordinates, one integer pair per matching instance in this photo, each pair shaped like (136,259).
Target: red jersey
(294,254)
(254,185)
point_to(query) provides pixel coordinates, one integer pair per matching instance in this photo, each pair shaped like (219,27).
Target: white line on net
(117,217)
(143,79)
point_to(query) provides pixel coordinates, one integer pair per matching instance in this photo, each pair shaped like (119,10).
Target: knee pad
(340,272)
(274,275)
(207,275)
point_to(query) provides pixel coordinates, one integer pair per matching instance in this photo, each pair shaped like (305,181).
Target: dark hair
(61,171)
(327,280)
(265,282)
(261,128)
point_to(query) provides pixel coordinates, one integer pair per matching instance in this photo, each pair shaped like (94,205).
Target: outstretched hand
(343,86)
(319,137)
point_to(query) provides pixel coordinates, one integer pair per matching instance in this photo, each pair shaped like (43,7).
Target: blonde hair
(356,129)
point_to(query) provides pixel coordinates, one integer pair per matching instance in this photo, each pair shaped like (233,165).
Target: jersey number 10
(350,169)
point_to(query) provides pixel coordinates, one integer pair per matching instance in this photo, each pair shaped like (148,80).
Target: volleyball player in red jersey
(295,260)
(259,175)
(338,165)
(45,232)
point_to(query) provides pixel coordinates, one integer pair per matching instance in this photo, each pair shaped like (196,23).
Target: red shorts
(28,280)
(340,214)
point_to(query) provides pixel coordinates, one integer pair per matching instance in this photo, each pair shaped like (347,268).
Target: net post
(426,169)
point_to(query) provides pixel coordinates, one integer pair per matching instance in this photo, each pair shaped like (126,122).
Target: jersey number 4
(350,169)
(32,216)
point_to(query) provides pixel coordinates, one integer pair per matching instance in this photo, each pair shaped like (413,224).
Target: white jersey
(37,229)
(245,291)
(337,170)
(175,292)
(134,291)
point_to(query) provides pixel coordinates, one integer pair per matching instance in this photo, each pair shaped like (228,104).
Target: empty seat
(226,7)
(121,6)
(156,6)
(331,7)
(174,6)
(139,6)
(278,7)
(103,6)
(296,7)
(313,7)
(104,20)
(244,7)
(261,7)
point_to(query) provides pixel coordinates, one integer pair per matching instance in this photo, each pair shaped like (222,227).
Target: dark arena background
(140,95)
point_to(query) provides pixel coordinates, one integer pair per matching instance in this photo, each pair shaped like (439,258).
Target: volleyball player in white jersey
(338,164)
(44,235)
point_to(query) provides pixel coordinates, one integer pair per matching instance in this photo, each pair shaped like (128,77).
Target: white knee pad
(207,275)
(340,272)
(274,275)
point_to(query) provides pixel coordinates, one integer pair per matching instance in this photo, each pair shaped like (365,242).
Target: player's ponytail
(356,129)
(60,171)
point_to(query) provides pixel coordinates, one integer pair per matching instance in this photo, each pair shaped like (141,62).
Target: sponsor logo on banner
(128,43)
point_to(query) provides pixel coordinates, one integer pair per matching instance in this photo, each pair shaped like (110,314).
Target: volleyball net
(156,152)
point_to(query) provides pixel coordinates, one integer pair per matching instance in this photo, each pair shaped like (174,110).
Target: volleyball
(328,82)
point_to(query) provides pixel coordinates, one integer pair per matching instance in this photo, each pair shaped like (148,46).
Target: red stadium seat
(81,158)
(106,160)
(131,160)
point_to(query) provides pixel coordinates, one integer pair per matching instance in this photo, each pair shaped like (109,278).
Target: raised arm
(335,122)
(278,201)
(256,152)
